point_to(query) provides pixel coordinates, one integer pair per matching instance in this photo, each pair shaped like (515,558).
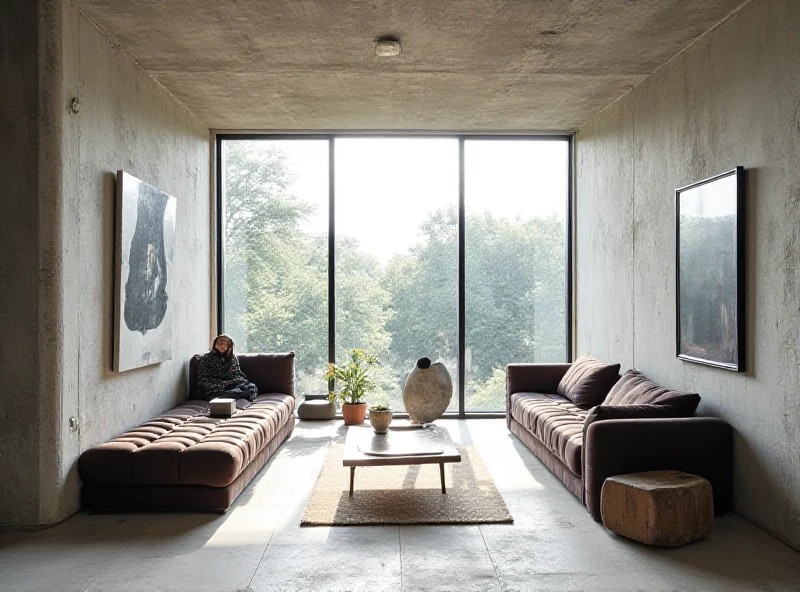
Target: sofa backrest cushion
(603,412)
(271,373)
(634,388)
(588,381)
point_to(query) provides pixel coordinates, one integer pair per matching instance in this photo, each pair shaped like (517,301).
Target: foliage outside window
(398,301)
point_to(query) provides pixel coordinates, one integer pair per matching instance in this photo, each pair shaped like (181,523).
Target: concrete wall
(19,256)
(126,121)
(732,98)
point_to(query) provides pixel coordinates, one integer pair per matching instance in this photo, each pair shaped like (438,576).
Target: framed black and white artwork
(710,270)
(145,243)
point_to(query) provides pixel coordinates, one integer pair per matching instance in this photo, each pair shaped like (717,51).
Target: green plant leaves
(352,377)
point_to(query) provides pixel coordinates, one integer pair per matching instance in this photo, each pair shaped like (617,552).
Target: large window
(396,227)
(275,228)
(450,248)
(515,193)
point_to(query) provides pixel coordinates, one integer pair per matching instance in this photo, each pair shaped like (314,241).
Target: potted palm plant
(352,379)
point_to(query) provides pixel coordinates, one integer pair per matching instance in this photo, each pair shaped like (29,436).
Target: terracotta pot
(354,413)
(380,420)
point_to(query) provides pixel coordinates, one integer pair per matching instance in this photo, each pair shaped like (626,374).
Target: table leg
(352,478)
(441,474)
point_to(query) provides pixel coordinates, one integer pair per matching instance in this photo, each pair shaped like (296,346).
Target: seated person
(219,375)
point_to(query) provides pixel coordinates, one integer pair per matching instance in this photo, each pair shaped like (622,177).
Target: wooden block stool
(662,508)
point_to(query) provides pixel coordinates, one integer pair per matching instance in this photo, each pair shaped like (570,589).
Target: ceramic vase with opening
(427,391)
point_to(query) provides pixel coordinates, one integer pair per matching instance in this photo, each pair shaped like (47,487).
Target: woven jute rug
(405,494)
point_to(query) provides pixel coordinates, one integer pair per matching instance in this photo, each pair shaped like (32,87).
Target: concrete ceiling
(534,65)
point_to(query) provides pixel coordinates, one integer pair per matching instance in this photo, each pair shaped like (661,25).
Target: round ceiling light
(387,48)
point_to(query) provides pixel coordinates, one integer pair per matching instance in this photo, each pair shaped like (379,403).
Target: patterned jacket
(216,375)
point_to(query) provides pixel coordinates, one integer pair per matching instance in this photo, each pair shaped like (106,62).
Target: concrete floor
(258,545)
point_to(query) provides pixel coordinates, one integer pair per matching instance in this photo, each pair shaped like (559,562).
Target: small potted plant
(354,384)
(380,416)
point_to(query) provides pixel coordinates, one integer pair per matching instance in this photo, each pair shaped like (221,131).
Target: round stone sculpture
(427,391)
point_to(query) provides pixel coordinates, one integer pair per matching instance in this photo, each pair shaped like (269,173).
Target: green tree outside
(276,287)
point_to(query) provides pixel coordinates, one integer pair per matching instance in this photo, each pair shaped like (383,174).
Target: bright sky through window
(397,177)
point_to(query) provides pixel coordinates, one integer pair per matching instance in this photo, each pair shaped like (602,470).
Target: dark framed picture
(710,264)
(145,242)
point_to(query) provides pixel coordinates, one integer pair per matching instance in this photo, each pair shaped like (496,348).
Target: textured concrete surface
(604,236)
(259,545)
(126,121)
(465,65)
(19,255)
(31,260)
(59,168)
(730,99)
(54,242)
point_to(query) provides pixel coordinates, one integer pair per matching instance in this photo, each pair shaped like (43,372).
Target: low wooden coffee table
(402,445)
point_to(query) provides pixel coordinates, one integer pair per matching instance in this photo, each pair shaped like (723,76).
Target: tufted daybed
(183,458)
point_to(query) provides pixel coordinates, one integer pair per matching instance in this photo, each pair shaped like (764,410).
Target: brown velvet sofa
(584,446)
(184,459)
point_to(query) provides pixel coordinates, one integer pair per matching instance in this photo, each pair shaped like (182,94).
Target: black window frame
(462,139)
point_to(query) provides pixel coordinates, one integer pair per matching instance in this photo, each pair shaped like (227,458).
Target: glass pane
(515,196)
(397,255)
(275,196)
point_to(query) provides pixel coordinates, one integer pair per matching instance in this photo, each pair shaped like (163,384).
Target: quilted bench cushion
(185,446)
(555,421)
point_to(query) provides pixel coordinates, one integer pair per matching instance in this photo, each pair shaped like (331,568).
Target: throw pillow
(634,388)
(603,412)
(587,381)
(682,404)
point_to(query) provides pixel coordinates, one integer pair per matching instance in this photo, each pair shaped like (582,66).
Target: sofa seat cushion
(634,388)
(555,421)
(185,446)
